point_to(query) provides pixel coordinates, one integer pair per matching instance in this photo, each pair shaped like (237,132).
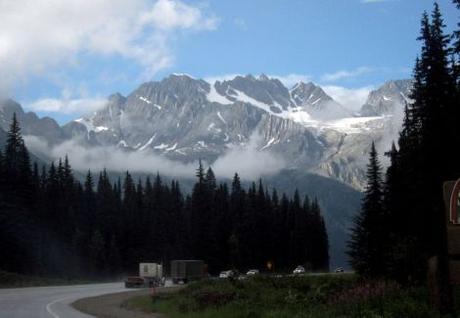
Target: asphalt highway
(50,302)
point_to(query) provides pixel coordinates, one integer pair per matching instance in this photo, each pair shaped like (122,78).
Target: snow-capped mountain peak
(383,100)
(312,99)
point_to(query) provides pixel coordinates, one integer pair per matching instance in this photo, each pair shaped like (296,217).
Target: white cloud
(73,101)
(351,98)
(167,15)
(343,74)
(68,106)
(37,36)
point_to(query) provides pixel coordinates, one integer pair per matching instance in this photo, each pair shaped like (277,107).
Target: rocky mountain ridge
(184,119)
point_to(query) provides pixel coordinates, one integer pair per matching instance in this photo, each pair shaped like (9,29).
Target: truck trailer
(187,270)
(150,275)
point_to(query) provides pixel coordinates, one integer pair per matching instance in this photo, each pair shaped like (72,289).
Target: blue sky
(72,62)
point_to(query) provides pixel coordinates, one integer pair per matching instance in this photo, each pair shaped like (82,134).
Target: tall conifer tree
(367,256)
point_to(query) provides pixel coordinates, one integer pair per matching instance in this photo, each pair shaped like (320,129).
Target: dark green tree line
(51,224)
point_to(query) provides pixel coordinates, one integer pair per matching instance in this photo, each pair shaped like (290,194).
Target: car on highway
(229,274)
(299,270)
(224,274)
(339,270)
(252,272)
(134,282)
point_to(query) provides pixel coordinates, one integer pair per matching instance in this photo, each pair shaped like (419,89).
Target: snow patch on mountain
(161,146)
(214,97)
(221,118)
(242,97)
(148,143)
(100,128)
(352,125)
(122,143)
(269,143)
(142,98)
(172,148)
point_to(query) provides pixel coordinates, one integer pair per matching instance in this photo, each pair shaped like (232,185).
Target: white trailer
(150,270)
(150,275)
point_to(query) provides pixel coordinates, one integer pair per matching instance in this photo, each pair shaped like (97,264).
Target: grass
(13,280)
(290,297)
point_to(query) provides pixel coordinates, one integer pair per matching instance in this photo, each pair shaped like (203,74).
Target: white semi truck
(150,275)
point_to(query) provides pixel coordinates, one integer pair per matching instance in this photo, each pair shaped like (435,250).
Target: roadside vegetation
(338,295)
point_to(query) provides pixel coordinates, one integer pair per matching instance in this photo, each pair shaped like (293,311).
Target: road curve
(50,302)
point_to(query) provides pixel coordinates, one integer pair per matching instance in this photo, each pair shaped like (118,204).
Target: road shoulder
(111,305)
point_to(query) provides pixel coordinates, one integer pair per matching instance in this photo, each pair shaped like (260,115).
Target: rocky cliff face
(46,128)
(384,100)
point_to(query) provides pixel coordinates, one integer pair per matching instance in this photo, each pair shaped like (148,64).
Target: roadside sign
(269,265)
(444,269)
(452,204)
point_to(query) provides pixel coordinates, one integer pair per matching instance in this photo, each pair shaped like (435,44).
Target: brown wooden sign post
(452,202)
(444,270)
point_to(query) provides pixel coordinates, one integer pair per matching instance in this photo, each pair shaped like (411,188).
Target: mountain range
(183,119)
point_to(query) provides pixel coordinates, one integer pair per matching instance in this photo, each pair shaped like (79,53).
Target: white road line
(48,306)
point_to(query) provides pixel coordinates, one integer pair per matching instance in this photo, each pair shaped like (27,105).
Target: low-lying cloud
(351,98)
(246,160)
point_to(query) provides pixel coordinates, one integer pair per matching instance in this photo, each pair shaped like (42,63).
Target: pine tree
(17,168)
(299,232)
(203,240)
(223,227)
(237,215)
(210,180)
(2,178)
(89,201)
(129,224)
(97,252)
(321,250)
(365,251)
(200,172)
(113,263)
(13,148)
(456,34)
